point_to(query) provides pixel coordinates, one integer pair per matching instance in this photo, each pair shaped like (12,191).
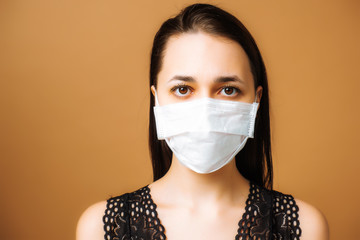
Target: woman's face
(197,65)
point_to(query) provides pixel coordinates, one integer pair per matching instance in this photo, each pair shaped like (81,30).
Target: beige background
(74,105)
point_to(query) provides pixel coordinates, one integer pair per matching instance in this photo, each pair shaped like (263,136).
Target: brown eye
(228,90)
(183,90)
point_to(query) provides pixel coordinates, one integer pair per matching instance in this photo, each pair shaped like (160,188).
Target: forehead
(204,55)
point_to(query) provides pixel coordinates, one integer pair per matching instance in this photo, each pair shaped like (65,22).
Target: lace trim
(255,222)
(268,214)
(286,217)
(133,216)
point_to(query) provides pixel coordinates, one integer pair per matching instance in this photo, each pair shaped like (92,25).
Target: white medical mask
(207,133)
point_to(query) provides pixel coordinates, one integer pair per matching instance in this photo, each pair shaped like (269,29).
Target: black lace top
(268,215)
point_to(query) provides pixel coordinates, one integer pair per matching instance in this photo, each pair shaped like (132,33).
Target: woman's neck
(184,186)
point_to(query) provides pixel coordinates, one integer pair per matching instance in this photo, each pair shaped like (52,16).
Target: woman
(210,144)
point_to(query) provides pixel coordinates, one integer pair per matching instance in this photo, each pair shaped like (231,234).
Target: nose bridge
(205,91)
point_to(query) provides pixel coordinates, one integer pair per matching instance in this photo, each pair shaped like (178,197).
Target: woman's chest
(136,216)
(182,223)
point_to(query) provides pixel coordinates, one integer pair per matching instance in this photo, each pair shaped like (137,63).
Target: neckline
(248,203)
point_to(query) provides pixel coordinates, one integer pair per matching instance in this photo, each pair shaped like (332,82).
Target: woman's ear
(258,93)
(153,90)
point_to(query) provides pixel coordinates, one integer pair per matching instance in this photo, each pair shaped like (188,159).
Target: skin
(203,206)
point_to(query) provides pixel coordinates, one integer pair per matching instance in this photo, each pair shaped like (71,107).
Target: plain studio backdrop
(74,102)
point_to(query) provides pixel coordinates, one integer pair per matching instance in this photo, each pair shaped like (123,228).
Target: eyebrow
(232,78)
(222,79)
(182,78)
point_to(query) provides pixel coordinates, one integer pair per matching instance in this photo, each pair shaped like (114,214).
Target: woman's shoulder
(99,216)
(310,220)
(313,223)
(92,221)
(90,225)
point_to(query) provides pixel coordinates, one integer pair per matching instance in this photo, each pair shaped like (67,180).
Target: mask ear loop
(156,98)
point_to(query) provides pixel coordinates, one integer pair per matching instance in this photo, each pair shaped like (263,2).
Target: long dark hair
(254,161)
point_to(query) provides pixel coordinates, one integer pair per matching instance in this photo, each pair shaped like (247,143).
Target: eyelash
(178,86)
(237,90)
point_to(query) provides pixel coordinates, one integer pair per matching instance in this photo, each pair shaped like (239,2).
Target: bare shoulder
(90,225)
(313,223)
